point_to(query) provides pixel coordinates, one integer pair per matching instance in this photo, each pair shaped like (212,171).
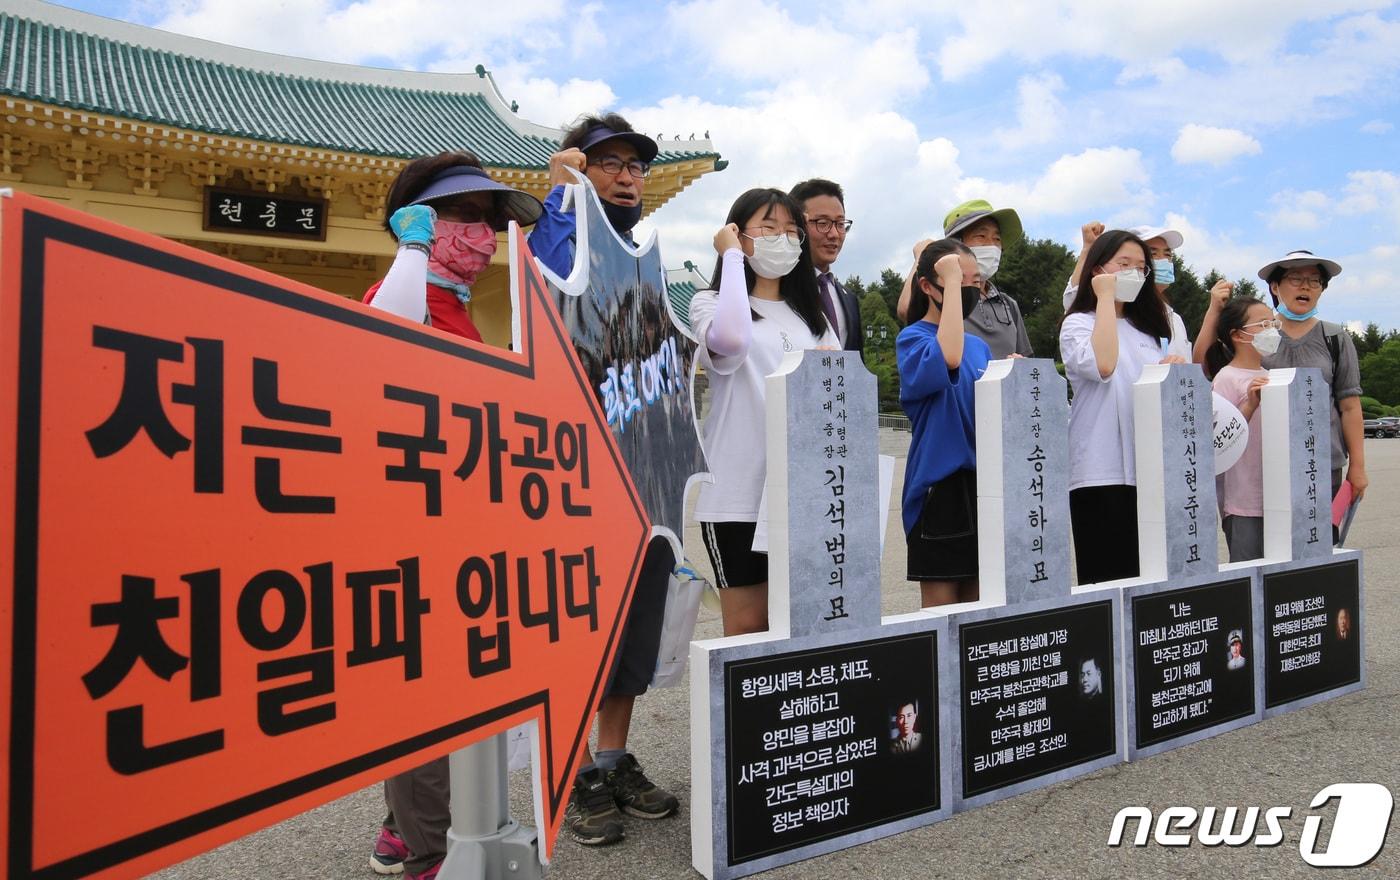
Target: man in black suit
(825,206)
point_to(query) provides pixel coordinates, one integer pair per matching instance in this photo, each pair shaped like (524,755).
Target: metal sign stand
(484,842)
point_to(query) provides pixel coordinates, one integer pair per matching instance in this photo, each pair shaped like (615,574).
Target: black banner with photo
(829,741)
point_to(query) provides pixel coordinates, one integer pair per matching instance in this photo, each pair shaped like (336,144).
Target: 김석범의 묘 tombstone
(825,732)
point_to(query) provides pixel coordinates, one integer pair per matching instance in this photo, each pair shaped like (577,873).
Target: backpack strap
(1333,334)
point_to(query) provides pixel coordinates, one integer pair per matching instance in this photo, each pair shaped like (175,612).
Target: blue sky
(1252,126)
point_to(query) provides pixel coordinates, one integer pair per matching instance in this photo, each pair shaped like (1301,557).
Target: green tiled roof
(43,62)
(680,293)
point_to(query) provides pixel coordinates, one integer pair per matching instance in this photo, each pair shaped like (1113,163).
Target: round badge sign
(1230,432)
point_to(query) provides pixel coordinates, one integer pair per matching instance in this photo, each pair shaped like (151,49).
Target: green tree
(1380,373)
(880,331)
(1033,272)
(1371,340)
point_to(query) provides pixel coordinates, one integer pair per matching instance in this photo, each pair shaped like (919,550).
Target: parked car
(1390,426)
(1371,428)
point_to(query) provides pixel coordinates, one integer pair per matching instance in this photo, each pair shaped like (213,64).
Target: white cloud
(1096,182)
(1361,292)
(1035,30)
(401,31)
(1292,210)
(1377,126)
(1365,193)
(1371,191)
(1040,114)
(761,44)
(1203,144)
(1204,249)
(548,102)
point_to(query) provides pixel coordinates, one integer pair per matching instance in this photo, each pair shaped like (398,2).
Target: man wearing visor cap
(616,161)
(610,781)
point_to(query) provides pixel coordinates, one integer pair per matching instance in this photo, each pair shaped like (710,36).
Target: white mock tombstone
(1023,522)
(1175,450)
(822,418)
(796,747)
(1297,452)
(1033,672)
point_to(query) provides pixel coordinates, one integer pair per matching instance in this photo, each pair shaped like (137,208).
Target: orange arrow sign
(269,546)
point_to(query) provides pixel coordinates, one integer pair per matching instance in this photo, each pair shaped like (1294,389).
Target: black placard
(1312,631)
(1037,694)
(264,214)
(814,747)
(1194,658)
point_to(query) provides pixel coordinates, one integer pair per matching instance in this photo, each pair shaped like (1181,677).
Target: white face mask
(1266,341)
(988,259)
(1129,285)
(774,257)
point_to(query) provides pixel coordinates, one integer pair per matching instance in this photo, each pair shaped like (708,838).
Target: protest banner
(268,546)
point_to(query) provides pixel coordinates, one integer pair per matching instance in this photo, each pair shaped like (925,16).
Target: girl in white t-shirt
(1246,331)
(1115,326)
(763,305)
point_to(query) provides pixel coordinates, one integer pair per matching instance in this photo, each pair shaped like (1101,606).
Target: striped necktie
(828,298)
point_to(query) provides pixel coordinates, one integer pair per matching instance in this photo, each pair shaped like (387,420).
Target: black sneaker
(636,794)
(592,817)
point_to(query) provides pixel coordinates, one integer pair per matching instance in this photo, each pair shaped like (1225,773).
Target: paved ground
(1053,833)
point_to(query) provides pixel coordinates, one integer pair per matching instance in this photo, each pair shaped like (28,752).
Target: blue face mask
(1284,313)
(1163,271)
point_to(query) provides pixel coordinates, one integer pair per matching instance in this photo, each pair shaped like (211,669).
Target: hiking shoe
(592,817)
(389,853)
(636,794)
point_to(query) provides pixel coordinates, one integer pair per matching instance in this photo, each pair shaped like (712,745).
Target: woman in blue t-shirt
(938,365)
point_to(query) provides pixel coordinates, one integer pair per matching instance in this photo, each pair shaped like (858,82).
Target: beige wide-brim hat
(1300,258)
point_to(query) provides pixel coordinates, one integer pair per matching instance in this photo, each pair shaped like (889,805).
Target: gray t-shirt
(996,320)
(1310,350)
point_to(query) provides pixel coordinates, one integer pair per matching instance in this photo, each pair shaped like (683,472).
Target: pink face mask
(462,250)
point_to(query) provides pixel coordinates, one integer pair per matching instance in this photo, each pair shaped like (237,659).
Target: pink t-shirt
(1242,486)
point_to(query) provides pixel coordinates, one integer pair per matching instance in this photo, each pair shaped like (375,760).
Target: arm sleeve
(702,314)
(1347,382)
(1077,348)
(730,329)
(552,238)
(922,370)
(1071,291)
(404,291)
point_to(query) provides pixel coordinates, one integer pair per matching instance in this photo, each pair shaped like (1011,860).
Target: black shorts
(943,543)
(635,662)
(730,545)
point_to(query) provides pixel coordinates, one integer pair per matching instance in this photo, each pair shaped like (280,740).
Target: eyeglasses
(613,165)
(772,234)
(1127,263)
(1306,282)
(465,212)
(823,225)
(1266,324)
